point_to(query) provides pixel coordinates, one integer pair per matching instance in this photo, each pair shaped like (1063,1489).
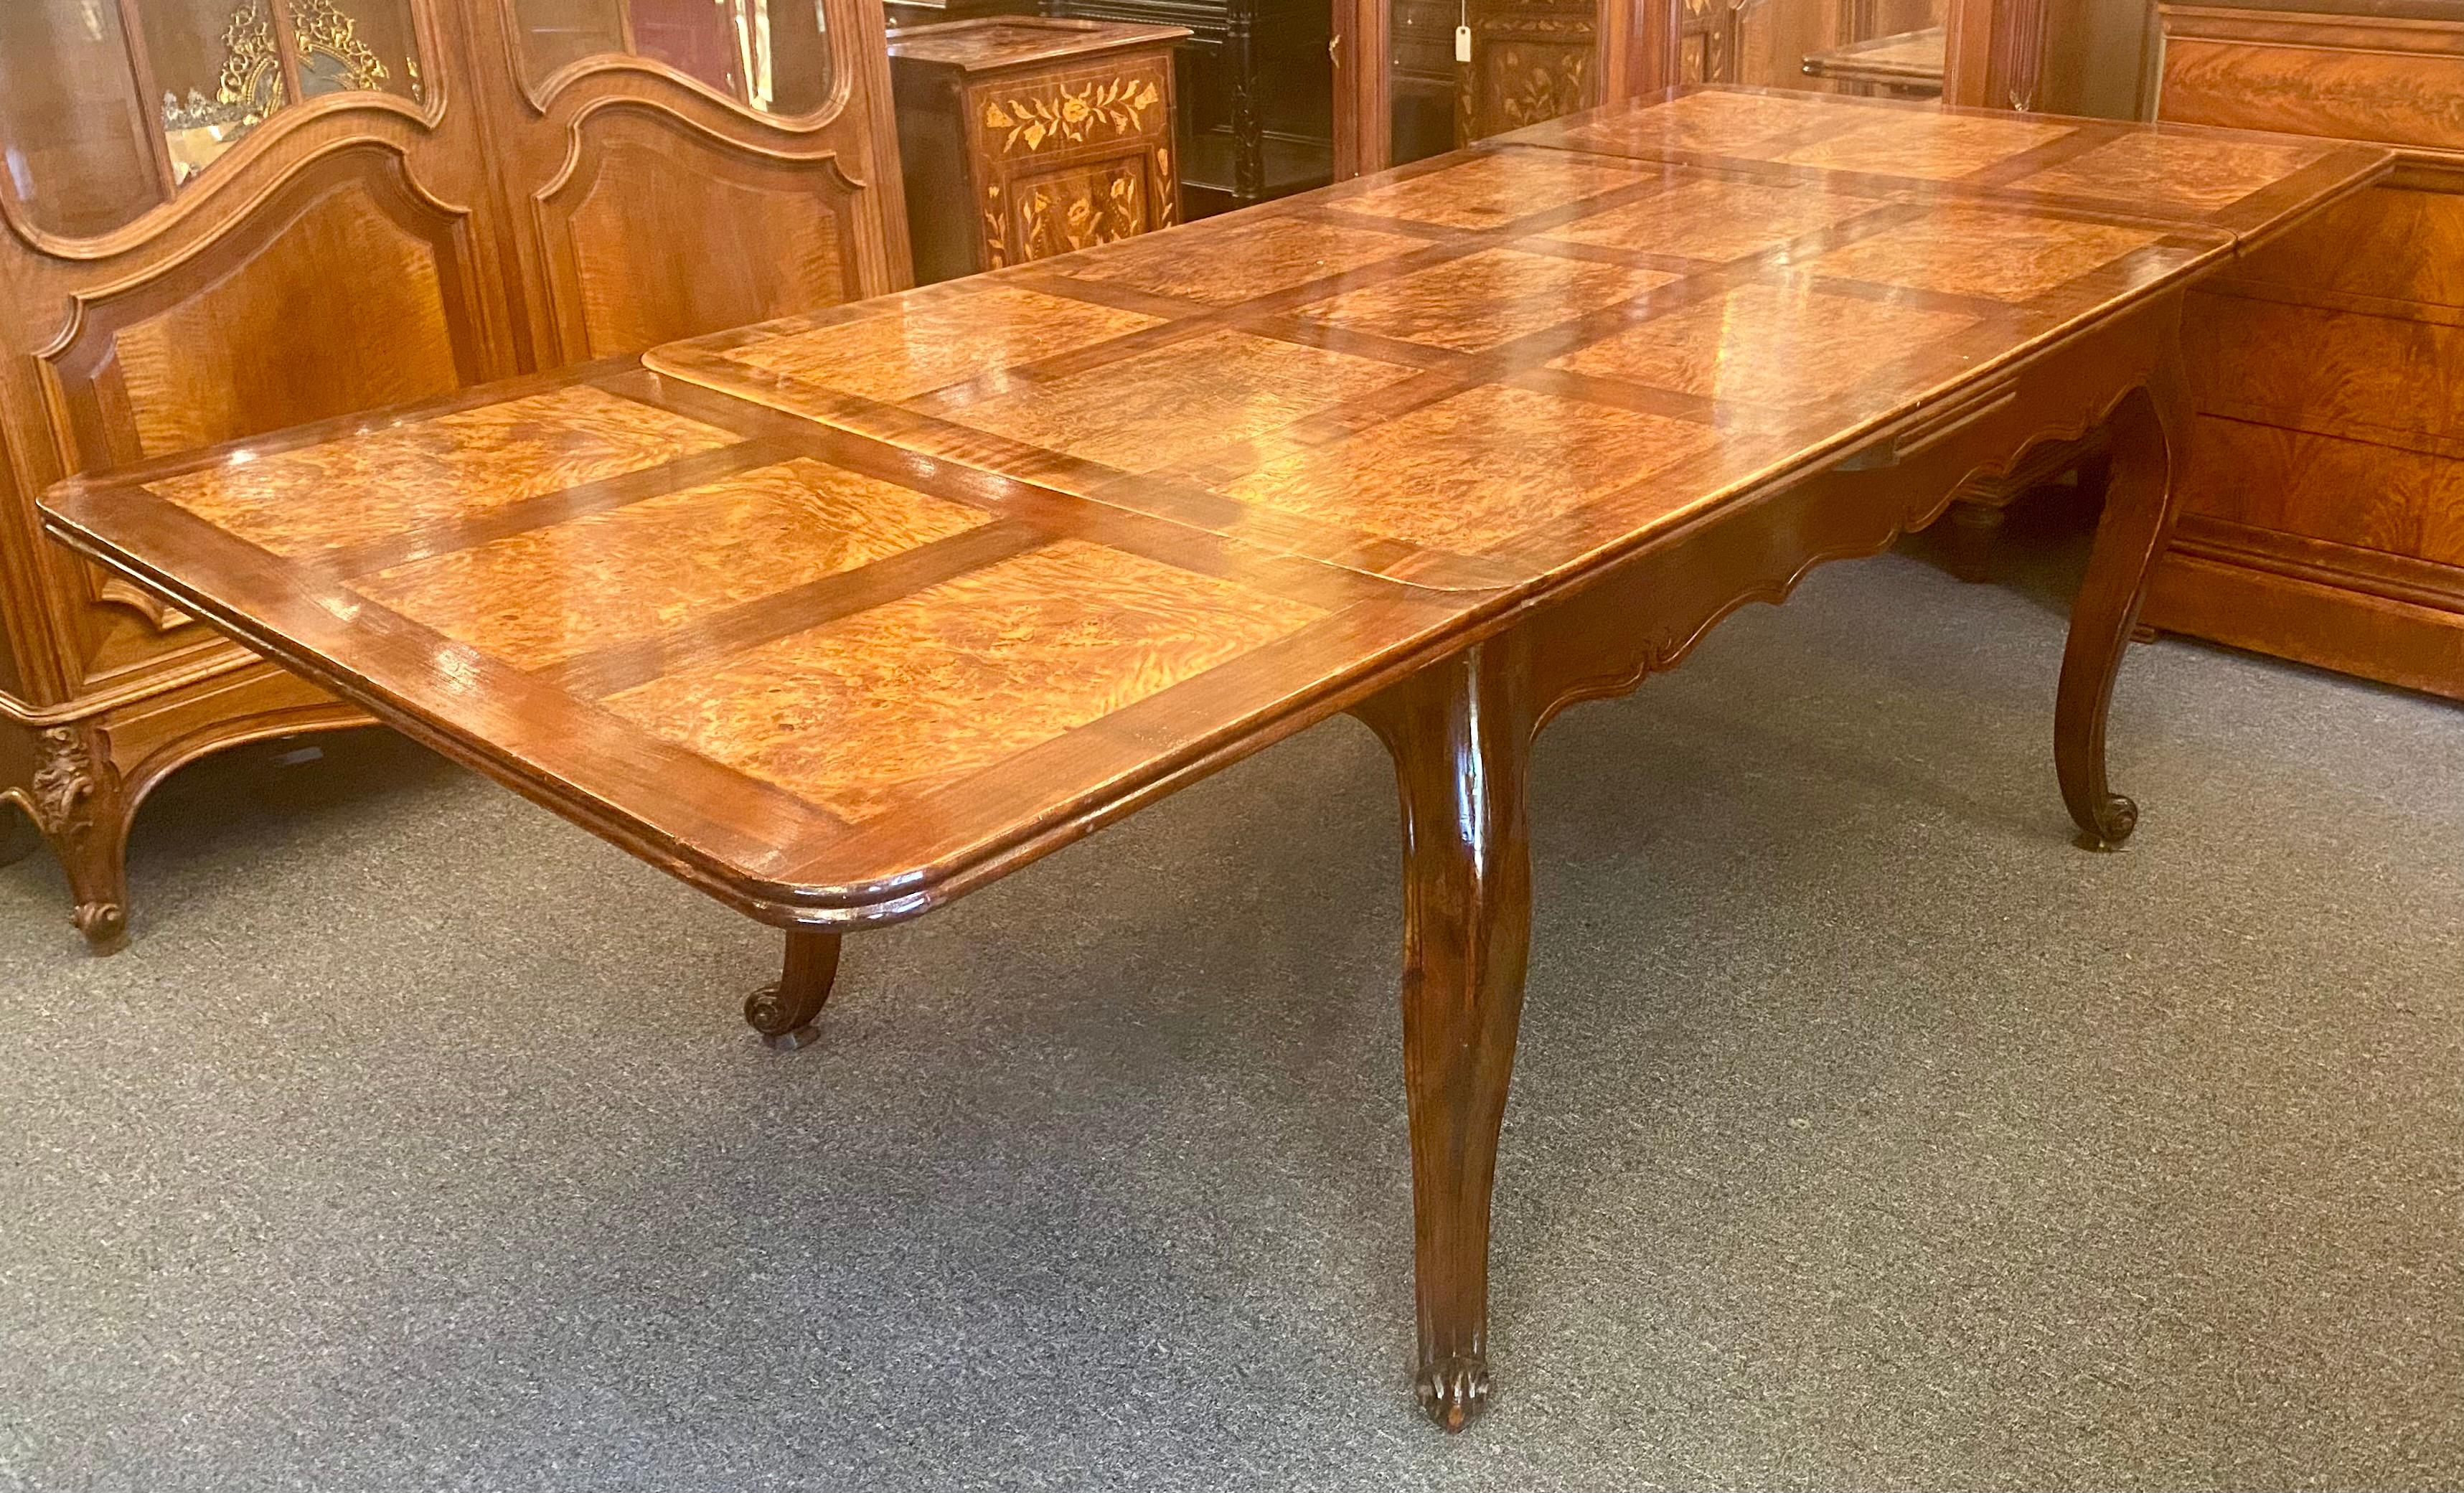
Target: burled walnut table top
(839,616)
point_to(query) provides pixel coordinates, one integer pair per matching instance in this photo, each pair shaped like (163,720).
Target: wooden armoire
(228,216)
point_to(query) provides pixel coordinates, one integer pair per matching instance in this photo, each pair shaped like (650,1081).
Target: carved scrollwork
(66,778)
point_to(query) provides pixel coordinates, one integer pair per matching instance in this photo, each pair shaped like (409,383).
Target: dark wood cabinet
(2324,509)
(1025,137)
(223,217)
(1254,82)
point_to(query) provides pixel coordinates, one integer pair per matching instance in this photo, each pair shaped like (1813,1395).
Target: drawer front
(2403,246)
(1016,118)
(2400,83)
(1079,207)
(2383,378)
(2323,487)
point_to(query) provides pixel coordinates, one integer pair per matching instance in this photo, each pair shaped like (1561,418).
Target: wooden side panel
(285,337)
(656,237)
(2234,597)
(654,203)
(2387,378)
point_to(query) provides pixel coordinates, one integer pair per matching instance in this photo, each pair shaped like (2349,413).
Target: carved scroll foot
(784,1011)
(2140,507)
(1461,734)
(82,812)
(1453,1391)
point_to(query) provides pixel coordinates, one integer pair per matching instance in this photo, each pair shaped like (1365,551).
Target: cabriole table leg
(784,1013)
(1461,734)
(2145,433)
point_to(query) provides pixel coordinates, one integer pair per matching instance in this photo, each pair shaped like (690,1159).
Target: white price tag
(1462,43)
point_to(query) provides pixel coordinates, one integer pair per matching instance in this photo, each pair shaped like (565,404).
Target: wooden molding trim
(2324,32)
(2393,578)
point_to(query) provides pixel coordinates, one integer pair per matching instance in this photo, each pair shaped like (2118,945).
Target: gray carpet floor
(1866,1132)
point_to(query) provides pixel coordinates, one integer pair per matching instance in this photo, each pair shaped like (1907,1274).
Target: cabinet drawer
(2395,81)
(2387,378)
(2321,487)
(1021,117)
(2400,244)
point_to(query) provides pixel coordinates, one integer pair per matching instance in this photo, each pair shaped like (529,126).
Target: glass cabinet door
(73,137)
(96,124)
(771,55)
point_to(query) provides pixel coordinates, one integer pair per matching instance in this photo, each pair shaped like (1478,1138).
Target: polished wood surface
(2324,489)
(471,189)
(872,606)
(1025,137)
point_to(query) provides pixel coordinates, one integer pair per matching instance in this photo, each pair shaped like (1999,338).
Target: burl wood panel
(1717,220)
(1183,399)
(1475,471)
(423,471)
(1963,251)
(1491,190)
(1937,148)
(1767,345)
(662,563)
(2175,170)
(864,714)
(1253,256)
(915,344)
(1491,297)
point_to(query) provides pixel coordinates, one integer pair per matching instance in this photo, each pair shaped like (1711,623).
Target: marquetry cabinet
(221,217)
(1025,137)
(2324,482)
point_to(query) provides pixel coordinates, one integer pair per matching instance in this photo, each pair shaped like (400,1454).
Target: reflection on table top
(841,615)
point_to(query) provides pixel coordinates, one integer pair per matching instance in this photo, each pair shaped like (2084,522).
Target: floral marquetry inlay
(1072,114)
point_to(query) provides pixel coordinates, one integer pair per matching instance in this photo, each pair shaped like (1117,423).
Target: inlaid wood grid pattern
(828,608)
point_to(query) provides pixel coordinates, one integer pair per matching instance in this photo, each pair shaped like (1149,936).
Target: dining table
(840,617)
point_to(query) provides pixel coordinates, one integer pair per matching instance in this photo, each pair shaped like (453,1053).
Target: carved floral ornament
(65,780)
(1118,105)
